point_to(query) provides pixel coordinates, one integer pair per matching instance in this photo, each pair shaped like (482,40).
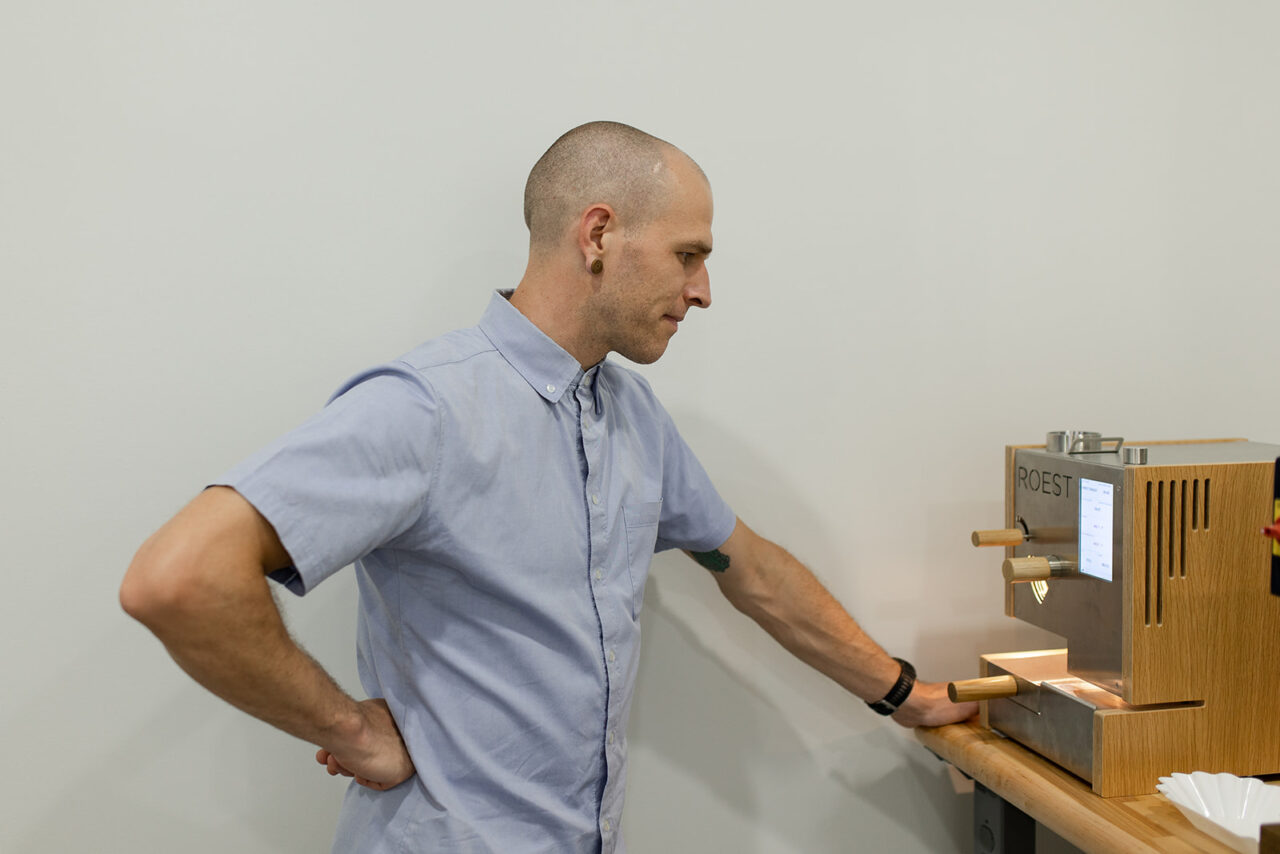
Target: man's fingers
(332,765)
(383,753)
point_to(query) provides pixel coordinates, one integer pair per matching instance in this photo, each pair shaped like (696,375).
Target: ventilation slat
(1172,508)
(1160,553)
(1147,578)
(1182,533)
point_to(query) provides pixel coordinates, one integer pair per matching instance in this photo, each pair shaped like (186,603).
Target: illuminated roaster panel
(1148,563)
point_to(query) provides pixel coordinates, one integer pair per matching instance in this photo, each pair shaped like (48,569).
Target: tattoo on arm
(714,560)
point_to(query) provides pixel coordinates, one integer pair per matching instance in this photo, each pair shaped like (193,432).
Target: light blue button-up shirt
(501,506)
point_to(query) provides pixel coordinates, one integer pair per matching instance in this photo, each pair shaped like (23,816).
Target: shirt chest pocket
(640,521)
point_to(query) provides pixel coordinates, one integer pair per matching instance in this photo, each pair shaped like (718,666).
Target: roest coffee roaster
(1148,562)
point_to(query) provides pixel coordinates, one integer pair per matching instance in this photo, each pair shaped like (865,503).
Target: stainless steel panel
(1086,611)
(1061,730)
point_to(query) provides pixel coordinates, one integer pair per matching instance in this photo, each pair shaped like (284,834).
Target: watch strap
(898,694)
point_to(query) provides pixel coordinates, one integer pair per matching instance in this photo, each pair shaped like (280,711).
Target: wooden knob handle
(1005,537)
(1027,568)
(1039,568)
(987,688)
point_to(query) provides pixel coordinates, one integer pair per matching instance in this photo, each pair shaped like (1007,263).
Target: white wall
(941,227)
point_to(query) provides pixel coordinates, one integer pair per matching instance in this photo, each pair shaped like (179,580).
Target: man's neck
(553,307)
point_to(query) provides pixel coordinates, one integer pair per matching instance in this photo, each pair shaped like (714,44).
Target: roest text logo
(1044,482)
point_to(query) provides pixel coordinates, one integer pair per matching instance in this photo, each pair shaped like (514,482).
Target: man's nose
(698,291)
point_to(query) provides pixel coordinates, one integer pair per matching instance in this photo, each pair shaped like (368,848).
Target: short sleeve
(694,516)
(350,479)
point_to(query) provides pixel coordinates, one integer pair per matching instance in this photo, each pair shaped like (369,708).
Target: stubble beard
(628,331)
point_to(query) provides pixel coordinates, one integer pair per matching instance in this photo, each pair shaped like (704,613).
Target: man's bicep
(215,544)
(733,560)
(221,520)
(741,566)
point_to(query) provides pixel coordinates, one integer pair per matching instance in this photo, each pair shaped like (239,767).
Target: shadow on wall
(724,747)
(737,746)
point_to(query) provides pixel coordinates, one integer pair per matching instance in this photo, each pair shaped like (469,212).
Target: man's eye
(684,257)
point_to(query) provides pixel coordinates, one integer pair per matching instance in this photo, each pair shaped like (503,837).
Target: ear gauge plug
(597,267)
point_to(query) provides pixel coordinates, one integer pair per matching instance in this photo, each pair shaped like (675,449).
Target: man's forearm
(225,631)
(200,585)
(797,610)
(768,584)
(240,650)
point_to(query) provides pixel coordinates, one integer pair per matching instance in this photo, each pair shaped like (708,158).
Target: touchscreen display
(1097,501)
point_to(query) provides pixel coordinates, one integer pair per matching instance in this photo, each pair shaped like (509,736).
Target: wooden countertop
(1063,802)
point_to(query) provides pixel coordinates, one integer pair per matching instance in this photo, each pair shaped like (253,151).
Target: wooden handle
(987,688)
(1027,569)
(1006,537)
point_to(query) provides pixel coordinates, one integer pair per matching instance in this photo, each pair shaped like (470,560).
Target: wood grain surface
(1062,802)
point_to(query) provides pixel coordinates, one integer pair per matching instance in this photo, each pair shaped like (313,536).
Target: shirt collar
(544,364)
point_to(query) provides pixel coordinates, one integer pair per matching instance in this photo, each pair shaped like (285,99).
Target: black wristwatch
(899,692)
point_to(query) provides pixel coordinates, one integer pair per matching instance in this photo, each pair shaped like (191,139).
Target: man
(501,490)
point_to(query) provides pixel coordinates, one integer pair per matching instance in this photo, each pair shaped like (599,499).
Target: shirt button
(605,824)
(612,657)
(595,499)
(551,389)
(611,736)
(599,575)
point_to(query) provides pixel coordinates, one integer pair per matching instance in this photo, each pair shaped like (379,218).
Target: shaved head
(599,162)
(619,234)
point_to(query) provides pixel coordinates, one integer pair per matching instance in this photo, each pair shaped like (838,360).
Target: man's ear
(595,222)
